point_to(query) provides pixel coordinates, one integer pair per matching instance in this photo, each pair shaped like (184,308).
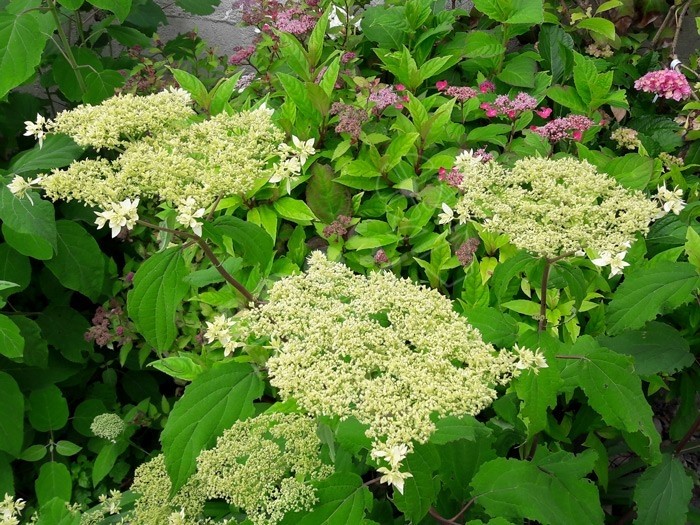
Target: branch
(210,255)
(692,430)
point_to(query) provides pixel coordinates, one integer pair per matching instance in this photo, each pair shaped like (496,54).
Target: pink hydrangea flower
(503,105)
(544,112)
(441,85)
(383,99)
(558,129)
(461,93)
(665,83)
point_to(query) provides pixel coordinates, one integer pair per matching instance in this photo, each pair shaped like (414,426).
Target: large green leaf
(342,499)
(633,171)
(420,490)
(14,267)
(11,416)
(64,328)
(101,85)
(24,217)
(657,348)
(78,264)
(158,290)
(555,47)
(538,393)
(387,27)
(120,8)
(548,492)
(613,389)
(213,402)
(21,43)
(663,493)
(48,409)
(512,11)
(647,293)
(57,151)
(326,198)
(251,242)
(11,341)
(54,481)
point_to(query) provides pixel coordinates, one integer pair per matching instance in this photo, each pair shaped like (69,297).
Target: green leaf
(398,149)
(69,78)
(318,35)
(326,198)
(155,298)
(420,491)
(198,7)
(342,500)
(58,151)
(600,26)
(613,389)
(71,4)
(251,242)
(493,133)
(480,44)
(387,27)
(538,393)
(27,244)
(23,217)
(222,94)
(54,481)
(101,85)
(529,12)
(460,460)
(633,171)
(14,267)
(453,428)
(297,93)
(507,271)
(64,328)
(34,453)
(663,493)
(48,409)
(67,448)
(555,47)
(213,402)
(128,36)
(22,42)
(519,71)
(11,416)
(192,85)
(523,306)
(179,367)
(567,97)
(294,210)
(104,462)
(78,264)
(658,348)
(11,341)
(120,8)
(645,294)
(511,488)
(496,327)
(692,247)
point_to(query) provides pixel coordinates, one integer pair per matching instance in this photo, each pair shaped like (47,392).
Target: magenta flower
(570,127)
(487,86)
(461,93)
(400,87)
(441,85)
(665,83)
(544,112)
(347,57)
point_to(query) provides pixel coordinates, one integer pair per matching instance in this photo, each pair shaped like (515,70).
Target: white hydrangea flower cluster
(553,207)
(392,474)
(671,201)
(382,349)
(221,330)
(11,510)
(157,151)
(108,426)
(263,465)
(118,215)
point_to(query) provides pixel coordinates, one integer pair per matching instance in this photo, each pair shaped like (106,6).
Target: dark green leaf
(120,8)
(213,402)
(26,218)
(420,490)
(326,198)
(64,329)
(21,44)
(104,462)
(54,481)
(555,47)
(11,415)
(57,151)
(198,7)
(48,409)
(101,85)
(663,493)
(251,242)
(11,341)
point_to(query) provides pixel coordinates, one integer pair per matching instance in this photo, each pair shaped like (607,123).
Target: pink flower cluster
(241,55)
(558,129)
(386,97)
(461,93)
(338,227)
(295,21)
(452,177)
(465,253)
(503,105)
(350,119)
(665,83)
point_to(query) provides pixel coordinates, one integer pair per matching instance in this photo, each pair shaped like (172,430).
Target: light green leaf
(480,44)
(78,264)
(11,416)
(104,462)
(54,481)
(22,42)
(523,306)
(645,294)
(67,448)
(600,26)
(519,71)
(179,367)
(511,488)
(538,393)
(692,247)
(24,217)
(294,210)
(11,341)
(496,327)
(101,85)
(342,500)
(213,402)
(48,409)
(663,493)
(192,85)
(222,94)
(633,171)
(155,298)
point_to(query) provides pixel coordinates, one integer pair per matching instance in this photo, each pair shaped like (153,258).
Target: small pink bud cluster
(347,57)
(665,83)
(295,21)
(571,127)
(384,98)
(465,253)
(452,177)
(107,326)
(241,55)
(350,119)
(338,227)
(503,105)
(461,93)
(380,257)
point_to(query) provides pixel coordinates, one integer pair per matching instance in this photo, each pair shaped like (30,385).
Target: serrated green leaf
(213,402)
(23,217)
(496,327)
(11,415)
(21,45)
(600,26)
(516,489)
(556,48)
(120,8)
(250,241)
(692,247)
(327,199)
(658,348)
(192,85)
(78,264)
(663,493)
(158,290)
(453,428)
(480,44)
(519,71)
(48,409)
(538,393)
(645,294)
(101,85)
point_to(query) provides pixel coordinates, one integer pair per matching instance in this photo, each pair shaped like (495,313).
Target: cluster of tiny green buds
(11,510)
(626,138)
(108,426)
